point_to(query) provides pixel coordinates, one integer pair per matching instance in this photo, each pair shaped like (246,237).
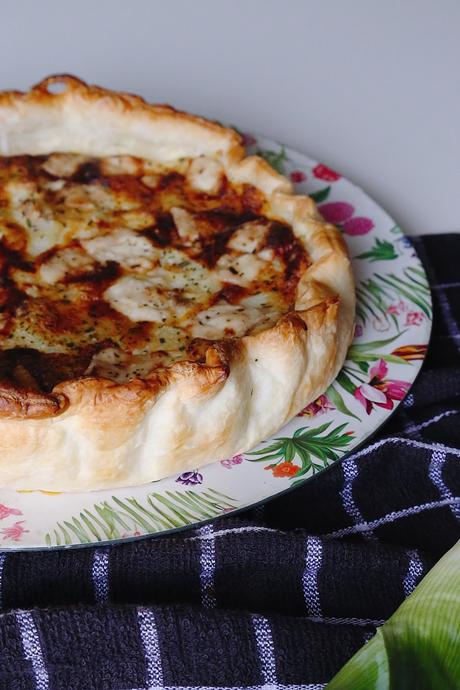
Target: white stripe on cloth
(207,567)
(350,473)
(32,648)
(396,440)
(100,573)
(412,428)
(232,530)
(330,620)
(448,337)
(149,637)
(313,560)
(443,286)
(277,686)
(414,572)
(435,474)
(266,649)
(391,517)
(2,565)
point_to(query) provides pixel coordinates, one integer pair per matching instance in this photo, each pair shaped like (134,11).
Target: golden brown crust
(23,403)
(88,100)
(91,433)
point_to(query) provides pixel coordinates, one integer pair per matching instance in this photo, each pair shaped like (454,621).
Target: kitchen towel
(280,596)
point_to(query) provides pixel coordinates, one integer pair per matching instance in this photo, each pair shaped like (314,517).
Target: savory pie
(165,300)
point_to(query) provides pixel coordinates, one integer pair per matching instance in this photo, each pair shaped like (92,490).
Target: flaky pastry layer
(93,433)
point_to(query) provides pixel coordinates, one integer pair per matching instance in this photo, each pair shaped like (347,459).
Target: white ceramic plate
(392,333)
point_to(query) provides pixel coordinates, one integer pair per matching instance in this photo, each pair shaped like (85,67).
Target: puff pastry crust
(216,390)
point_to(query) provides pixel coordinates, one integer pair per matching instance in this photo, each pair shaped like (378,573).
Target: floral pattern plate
(392,332)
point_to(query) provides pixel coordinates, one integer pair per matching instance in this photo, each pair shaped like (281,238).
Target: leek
(418,648)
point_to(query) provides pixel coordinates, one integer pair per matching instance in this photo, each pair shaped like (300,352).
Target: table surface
(370,88)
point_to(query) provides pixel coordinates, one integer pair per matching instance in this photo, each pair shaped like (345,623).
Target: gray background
(372,88)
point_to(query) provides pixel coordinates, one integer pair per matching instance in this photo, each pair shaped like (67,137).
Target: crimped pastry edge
(92,433)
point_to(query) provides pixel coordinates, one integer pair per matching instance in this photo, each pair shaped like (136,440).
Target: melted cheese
(240,269)
(119,366)
(205,175)
(183,273)
(186,225)
(137,219)
(127,248)
(71,261)
(43,233)
(91,197)
(248,238)
(20,191)
(54,185)
(62,164)
(120,165)
(144,300)
(42,230)
(168,292)
(227,320)
(160,296)
(150,180)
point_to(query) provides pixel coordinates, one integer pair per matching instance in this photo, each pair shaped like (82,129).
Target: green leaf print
(381,251)
(118,518)
(275,158)
(304,446)
(376,294)
(338,402)
(320,195)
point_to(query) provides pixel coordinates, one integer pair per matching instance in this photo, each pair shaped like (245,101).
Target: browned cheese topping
(113,267)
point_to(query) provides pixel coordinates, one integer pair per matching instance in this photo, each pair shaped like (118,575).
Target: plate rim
(173,531)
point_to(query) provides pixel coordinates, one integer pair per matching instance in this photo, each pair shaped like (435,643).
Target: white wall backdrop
(372,88)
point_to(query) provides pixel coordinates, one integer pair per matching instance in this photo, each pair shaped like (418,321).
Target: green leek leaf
(418,648)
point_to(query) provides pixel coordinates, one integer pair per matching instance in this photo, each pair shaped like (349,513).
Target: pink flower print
(379,391)
(5,511)
(368,396)
(231,462)
(322,172)
(318,406)
(414,318)
(397,308)
(337,212)
(359,330)
(395,390)
(341,213)
(357,226)
(14,532)
(297,176)
(379,370)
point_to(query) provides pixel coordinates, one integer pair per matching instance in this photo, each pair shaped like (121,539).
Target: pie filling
(112,267)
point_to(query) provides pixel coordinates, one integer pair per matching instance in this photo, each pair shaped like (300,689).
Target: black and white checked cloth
(279,597)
